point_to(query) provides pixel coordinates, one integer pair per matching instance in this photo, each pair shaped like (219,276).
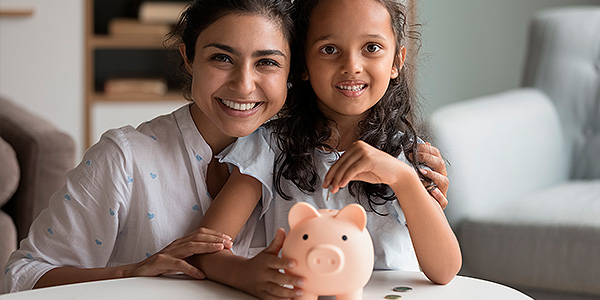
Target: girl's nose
(243,81)
(351,64)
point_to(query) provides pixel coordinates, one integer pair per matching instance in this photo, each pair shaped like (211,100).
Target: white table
(178,287)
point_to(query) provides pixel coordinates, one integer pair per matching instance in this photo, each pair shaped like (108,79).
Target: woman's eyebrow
(257,53)
(222,47)
(268,52)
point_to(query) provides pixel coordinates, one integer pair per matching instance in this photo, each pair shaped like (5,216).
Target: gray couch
(34,159)
(525,166)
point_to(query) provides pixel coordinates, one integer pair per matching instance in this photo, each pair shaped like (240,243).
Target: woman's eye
(268,63)
(373,48)
(328,50)
(221,58)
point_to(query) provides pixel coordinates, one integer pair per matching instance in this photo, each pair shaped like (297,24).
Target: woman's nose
(243,81)
(351,64)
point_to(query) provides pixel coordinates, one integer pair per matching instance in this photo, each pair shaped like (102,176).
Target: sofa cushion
(9,177)
(8,236)
(45,154)
(538,241)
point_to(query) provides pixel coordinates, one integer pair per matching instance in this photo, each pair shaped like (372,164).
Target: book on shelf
(160,11)
(133,28)
(135,87)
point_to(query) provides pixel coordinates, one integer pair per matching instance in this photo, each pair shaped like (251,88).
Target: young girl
(132,206)
(343,137)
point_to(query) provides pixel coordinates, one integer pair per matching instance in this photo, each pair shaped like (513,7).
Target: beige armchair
(34,159)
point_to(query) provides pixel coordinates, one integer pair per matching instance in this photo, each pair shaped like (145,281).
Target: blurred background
(469,48)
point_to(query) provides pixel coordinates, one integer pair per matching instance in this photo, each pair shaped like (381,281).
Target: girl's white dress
(255,155)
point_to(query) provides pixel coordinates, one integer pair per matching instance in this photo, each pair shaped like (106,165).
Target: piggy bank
(332,249)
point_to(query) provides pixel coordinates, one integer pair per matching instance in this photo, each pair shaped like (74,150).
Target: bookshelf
(108,55)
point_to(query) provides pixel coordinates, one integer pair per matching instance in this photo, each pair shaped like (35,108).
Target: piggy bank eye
(344,237)
(305,237)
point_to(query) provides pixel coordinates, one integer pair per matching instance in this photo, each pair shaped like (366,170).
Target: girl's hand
(261,276)
(172,259)
(431,156)
(364,162)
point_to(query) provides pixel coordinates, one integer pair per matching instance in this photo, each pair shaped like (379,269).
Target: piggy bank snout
(325,259)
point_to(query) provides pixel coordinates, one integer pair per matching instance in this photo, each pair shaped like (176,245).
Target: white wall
(114,115)
(41,61)
(474,47)
(42,68)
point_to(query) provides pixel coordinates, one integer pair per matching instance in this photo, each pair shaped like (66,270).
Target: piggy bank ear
(354,213)
(300,212)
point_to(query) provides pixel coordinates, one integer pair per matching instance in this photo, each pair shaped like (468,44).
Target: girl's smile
(352,88)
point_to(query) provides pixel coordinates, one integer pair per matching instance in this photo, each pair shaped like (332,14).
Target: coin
(402,289)
(392,297)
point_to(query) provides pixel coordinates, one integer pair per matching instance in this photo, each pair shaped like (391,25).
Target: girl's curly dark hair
(301,127)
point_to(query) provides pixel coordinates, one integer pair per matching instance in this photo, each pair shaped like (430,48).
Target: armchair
(34,159)
(524,166)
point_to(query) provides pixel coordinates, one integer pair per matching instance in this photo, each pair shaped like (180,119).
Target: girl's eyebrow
(370,36)
(257,53)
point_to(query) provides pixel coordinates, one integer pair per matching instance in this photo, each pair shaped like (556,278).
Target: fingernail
(227,237)
(228,243)
(423,171)
(291,264)
(300,282)
(299,293)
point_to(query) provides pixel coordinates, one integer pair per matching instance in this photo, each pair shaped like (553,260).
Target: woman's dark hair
(301,127)
(200,14)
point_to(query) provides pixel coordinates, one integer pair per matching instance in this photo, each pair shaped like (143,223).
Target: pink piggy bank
(333,250)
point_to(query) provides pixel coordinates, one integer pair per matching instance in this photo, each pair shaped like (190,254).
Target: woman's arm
(169,260)
(434,242)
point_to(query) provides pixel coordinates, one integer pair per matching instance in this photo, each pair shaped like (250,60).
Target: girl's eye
(328,50)
(268,63)
(221,58)
(373,48)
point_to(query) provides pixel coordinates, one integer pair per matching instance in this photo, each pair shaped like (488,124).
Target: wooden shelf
(137,55)
(171,96)
(16,12)
(108,42)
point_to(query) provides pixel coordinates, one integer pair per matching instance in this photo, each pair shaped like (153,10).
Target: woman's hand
(261,276)
(364,162)
(431,156)
(172,259)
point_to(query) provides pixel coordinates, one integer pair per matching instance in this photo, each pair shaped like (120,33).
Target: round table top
(381,285)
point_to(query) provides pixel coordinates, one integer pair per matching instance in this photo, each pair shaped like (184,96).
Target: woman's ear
(188,65)
(398,63)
